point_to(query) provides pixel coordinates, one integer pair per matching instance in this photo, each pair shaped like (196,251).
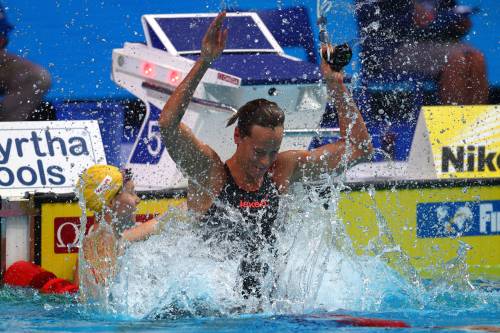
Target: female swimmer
(110,193)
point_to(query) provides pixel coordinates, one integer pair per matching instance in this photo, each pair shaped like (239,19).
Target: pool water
(28,311)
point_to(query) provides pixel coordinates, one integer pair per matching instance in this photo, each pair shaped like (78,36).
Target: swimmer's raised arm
(192,156)
(353,134)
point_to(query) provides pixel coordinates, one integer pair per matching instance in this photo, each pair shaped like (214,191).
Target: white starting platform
(253,65)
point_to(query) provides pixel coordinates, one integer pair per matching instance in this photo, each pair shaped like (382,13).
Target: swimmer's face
(259,150)
(126,201)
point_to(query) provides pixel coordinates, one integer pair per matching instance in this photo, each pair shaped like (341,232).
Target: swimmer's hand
(214,40)
(160,225)
(334,80)
(172,214)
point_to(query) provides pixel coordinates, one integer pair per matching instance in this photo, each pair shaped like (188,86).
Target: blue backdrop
(74,39)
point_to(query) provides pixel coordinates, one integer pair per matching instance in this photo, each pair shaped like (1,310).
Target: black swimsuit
(247,219)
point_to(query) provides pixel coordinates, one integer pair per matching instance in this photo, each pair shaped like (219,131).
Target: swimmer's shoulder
(284,169)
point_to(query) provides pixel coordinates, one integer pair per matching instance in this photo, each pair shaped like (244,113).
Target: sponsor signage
(457,219)
(228,78)
(465,140)
(47,155)
(60,230)
(67,231)
(254,204)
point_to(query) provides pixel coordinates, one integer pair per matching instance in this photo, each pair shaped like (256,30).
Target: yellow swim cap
(100,184)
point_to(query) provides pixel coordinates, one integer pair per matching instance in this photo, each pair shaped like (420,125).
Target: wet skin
(256,153)
(125,202)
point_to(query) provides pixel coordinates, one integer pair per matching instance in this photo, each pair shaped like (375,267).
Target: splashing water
(315,269)
(174,273)
(177,275)
(321,271)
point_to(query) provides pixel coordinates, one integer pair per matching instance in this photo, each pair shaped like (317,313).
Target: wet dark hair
(257,112)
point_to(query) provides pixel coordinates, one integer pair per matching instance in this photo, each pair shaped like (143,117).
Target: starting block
(253,65)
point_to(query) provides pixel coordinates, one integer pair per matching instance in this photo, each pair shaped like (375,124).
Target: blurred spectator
(22,83)
(422,39)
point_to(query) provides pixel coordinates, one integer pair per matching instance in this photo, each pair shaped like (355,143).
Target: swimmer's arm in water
(192,156)
(141,231)
(136,233)
(309,165)
(100,251)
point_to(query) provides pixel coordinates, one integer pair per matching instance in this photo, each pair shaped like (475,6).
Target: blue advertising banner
(457,219)
(149,148)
